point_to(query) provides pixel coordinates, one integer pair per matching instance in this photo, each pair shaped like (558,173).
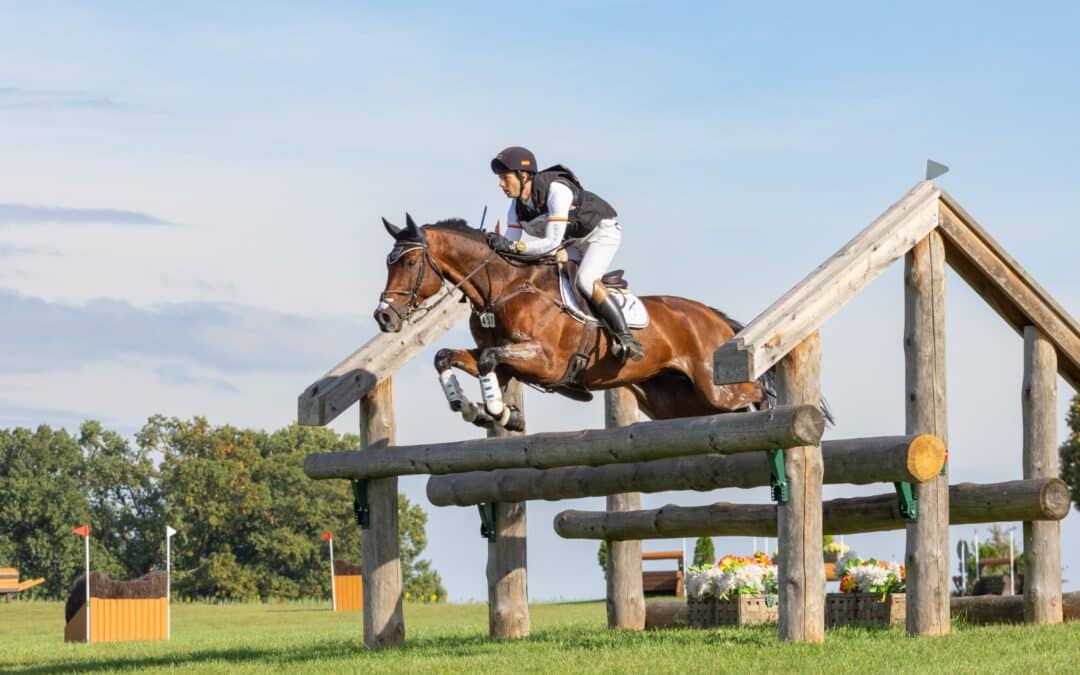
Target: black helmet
(514,158)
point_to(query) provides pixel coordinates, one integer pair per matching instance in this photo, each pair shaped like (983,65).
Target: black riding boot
(625,344)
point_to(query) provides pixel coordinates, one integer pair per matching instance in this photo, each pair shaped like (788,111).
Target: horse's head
(411,276)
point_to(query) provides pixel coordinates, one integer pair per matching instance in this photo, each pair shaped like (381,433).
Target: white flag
(169,531)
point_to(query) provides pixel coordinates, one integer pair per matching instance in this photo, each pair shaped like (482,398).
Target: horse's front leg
(491,388)
(465,359)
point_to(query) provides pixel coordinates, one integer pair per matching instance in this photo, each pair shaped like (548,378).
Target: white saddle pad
(633,308)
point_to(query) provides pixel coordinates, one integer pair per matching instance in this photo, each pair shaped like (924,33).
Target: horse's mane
(459,226)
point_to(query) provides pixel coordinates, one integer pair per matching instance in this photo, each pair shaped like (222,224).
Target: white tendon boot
(493,403)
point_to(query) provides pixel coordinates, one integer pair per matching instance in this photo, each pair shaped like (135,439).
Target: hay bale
(345,568)
(150,585)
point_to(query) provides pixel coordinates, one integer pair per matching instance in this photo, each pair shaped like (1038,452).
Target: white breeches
(596,253)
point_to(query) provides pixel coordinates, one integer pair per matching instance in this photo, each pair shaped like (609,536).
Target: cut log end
(808,424)
(926,457)
(1055,499)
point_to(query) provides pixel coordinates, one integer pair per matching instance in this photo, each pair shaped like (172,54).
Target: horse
(523,331)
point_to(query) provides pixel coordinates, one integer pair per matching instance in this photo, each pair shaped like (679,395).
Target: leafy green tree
(41,500)
(1070,452)
(703,552)
(601,556)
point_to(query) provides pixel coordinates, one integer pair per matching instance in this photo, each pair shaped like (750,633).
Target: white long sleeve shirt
(550,233)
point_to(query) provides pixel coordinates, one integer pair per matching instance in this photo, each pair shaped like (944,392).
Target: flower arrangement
(870,576)
(731,576)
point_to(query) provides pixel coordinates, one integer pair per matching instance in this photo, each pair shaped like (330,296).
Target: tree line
(248,520)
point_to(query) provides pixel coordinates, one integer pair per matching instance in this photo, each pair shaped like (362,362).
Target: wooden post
(1042,540)
(380,564)
(508,587)
(801,574)
(927,556)
(625,595)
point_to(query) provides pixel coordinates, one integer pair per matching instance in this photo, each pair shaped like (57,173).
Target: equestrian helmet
(514,158)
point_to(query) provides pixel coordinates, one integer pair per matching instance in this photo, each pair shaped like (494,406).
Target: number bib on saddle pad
(632,306)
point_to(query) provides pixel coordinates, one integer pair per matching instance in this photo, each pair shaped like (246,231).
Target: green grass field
(568,637)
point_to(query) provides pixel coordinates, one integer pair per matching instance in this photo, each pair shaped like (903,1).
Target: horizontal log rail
(783,427)
(857,461)
(1018,500)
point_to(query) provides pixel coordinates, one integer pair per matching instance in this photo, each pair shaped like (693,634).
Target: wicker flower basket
(701,613)
(739,610)
(845,608)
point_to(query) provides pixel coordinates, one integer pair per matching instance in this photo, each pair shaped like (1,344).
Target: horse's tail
(767,382)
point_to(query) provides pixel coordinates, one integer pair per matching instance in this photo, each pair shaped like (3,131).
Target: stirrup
(626,347)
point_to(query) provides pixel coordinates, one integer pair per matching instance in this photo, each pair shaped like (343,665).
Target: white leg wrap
(489,388)
(452,388)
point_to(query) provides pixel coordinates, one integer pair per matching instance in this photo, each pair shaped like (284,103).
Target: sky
(191,195)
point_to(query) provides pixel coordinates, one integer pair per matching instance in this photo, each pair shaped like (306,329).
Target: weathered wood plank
(969,503)
(625,591)
(380,561)
(746,432)
(927,556)
(1007,287)
(803,309)
(346,382)
(1042,540)
(507,568)
(859,461)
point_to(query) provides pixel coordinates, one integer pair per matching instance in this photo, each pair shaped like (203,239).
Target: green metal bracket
(487,520)
(361,508)
(778,479)
(909,505)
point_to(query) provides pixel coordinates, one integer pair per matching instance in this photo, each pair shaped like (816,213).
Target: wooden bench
(10,586)
(664,582)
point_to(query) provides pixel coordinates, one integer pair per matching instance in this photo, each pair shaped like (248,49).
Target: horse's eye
(411,263)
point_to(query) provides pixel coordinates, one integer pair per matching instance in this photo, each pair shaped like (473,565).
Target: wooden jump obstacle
(120,611)
(10,586)
(929,230)
(663,582)
(348,587)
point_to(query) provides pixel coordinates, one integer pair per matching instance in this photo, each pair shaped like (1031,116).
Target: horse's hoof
(456,405)
(516,421)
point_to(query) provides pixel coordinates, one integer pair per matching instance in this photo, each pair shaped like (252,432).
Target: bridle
(426,259)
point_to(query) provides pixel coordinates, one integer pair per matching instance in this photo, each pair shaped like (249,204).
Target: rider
(552,206)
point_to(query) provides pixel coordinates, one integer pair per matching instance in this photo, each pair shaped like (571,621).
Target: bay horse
(522,331)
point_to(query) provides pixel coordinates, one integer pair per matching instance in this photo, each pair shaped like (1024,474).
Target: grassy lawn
(568,637)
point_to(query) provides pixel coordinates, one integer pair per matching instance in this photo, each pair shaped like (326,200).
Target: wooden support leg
(801,574)
(1042,539)
(508,588)
(384,624)
(927,557)
(625,595)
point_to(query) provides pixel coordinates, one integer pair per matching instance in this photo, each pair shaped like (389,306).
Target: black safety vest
(586,210)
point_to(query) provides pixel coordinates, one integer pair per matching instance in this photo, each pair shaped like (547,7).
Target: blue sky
(189,216)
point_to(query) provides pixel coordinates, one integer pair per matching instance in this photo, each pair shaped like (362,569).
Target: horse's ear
(410,227)
(394,230)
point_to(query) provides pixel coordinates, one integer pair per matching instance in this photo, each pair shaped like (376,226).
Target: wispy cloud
(16,98)
(38,335)
(29,214)
(177,374)
(12,251)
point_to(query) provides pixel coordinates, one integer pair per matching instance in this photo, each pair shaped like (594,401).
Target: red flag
(327,535)
(83,531)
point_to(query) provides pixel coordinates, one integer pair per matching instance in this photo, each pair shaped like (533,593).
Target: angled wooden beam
(1006,287)
(358,374)
(802,310)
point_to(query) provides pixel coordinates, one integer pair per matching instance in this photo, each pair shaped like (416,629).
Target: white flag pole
(333,586)
(86,544)
(1012,566)
(169,532)
(754,552)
